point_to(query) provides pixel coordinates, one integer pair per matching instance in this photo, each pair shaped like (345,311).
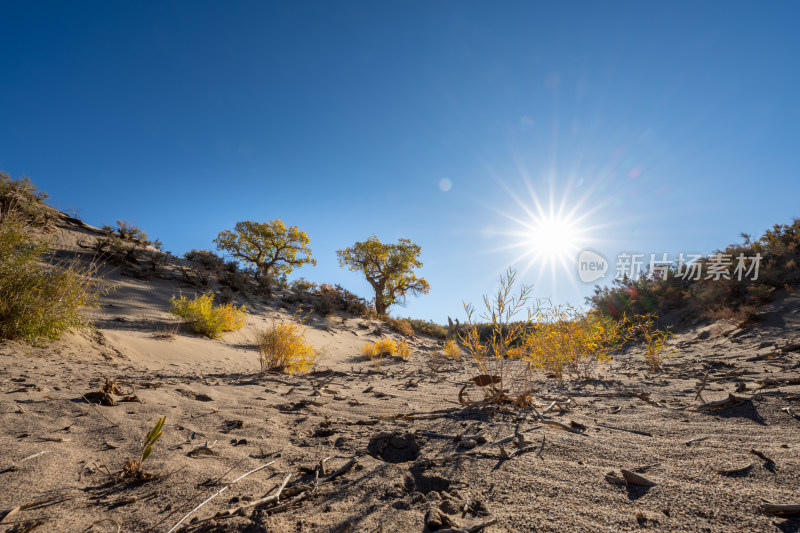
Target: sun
(552,238)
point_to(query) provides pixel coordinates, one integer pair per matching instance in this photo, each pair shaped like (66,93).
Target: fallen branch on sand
(767,460)
(783,510)
(559,425)
(636,431)
(629,478)
(734,471)
(730,401)
(471,529)
(220,491)
(635,479)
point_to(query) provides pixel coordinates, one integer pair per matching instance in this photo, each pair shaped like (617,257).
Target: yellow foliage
(205,317)
(283,348)
(566,340)
(403,350)
(452,349)
(381,348)
(491,355)
(655,341)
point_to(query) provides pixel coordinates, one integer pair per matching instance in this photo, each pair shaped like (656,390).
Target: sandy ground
(415,458)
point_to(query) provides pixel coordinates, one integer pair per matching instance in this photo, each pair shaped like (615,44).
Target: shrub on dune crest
(205,317)
(39,300)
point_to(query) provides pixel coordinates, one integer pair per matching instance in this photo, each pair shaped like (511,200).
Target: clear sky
(654,126)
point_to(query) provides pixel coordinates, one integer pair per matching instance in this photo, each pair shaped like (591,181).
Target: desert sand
(389,446)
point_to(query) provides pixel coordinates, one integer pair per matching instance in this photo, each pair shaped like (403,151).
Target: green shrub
(205,317)
(205,259)
(779,249)
(329,298)
(25,199)
(39,299)
(128,231)
(428,327)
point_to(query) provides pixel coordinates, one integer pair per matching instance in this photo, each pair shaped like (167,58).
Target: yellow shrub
(403,350)
(283,348)
(565,340)
(655,343)
(205,317)
(452,349)
(380,348)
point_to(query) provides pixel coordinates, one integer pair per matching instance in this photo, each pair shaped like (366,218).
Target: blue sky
(660,127)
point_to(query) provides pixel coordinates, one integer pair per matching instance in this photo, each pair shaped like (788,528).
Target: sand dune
(224,419)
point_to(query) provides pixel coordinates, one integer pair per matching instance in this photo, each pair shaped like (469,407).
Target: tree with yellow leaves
(389,268)
(271,247)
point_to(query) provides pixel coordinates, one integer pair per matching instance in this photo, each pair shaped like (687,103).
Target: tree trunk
(380,305)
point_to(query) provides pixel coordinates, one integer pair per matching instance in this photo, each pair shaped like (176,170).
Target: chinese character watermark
(689,267)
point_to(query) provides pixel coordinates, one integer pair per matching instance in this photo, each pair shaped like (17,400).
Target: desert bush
(128,231)
(741,317)
(401,326)
(205,317)
(205,259)
(565,340)
(283,348)
(778,247)
(327,298)
(303,285)
(452,349)
(654,341)
(26,200)
(125,243)
(234,281)
(206,265)
(383,347)
(403,350)
(491,355)
(428,327)
(39,299)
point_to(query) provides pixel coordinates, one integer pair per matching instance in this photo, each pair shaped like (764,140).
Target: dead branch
(261,501)
(783,510)
(636,431)
(734,471)
(471,529)
(730,401)
(220,491)
(763,457)
(635,479)
(559,425)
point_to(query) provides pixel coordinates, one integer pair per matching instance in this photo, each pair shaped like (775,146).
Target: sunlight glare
(553,238)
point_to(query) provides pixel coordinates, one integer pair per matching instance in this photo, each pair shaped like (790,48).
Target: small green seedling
(152,438)
(133,468)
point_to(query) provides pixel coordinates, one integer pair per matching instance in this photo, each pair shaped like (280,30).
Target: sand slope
(225,419)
